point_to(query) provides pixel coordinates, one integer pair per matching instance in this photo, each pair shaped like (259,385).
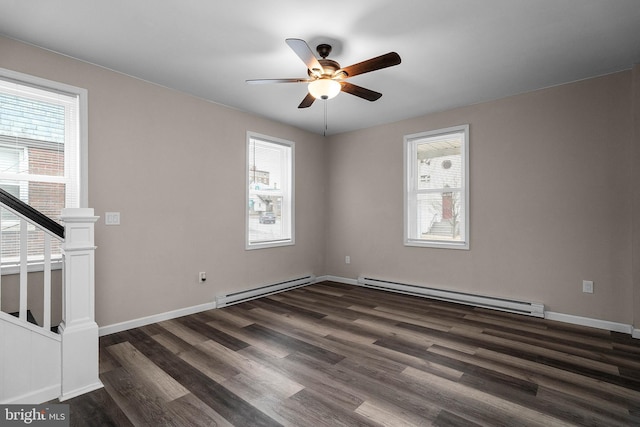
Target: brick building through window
(38,159)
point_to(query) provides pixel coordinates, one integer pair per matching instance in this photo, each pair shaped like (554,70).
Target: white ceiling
(454,52)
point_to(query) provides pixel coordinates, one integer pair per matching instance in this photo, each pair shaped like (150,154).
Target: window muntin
(436,188)
(270,207)
(42,132)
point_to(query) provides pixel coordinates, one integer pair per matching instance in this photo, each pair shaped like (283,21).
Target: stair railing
(78,330)
(29,222)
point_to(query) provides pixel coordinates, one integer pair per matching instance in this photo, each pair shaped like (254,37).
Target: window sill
(265,245)
(437,244)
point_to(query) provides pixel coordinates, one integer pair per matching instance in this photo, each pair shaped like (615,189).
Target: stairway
(441,228)
(33,321)
(31,362)
(39,363)
(30,317)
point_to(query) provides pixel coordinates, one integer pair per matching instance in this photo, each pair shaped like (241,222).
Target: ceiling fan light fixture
(324,88)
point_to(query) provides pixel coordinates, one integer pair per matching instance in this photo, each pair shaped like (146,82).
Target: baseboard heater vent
(242,296)
(508,305)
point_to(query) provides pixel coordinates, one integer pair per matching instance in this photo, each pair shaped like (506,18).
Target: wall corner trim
(338,279)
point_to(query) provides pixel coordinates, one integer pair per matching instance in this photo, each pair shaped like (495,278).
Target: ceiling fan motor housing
(329,68)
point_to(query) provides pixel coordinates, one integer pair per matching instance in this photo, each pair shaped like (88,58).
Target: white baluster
(46,311)
(24,272)
(1,211)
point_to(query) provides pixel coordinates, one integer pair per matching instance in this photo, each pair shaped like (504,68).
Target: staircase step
(30,317)
(441,228)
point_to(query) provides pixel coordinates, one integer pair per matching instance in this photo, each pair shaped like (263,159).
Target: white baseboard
(143,321)
(560,317)
(81,391)
(35,397)
(587,321)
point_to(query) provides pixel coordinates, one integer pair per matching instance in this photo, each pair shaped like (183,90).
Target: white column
(78,328)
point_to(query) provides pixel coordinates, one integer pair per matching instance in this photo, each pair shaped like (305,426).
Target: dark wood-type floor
(331,355)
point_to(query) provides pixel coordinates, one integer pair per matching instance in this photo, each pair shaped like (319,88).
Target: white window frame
(411,188)
(82,183)
(82,149)
(287,194)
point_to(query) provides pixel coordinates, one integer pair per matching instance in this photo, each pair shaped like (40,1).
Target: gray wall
(550,179)
(552,196)
(174,166)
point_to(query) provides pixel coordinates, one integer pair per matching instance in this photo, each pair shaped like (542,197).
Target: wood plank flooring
(337,355)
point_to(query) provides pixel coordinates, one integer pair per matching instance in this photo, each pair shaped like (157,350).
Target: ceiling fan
(327,78)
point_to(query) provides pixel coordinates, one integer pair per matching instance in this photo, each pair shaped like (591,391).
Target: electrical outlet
(202,277)
(587,286)
(347,259)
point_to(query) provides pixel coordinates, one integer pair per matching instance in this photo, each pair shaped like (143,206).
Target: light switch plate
(112,218)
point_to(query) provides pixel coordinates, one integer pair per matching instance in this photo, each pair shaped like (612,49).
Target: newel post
(78,329)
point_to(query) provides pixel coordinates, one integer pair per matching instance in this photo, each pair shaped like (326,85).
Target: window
(42,124)
(437,188)
(270,208)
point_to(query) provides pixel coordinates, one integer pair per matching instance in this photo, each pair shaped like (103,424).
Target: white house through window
(436,188)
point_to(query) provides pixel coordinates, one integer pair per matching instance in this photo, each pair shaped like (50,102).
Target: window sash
(270,184)
(53,143)
(44,128)
(51,91)
(429,202)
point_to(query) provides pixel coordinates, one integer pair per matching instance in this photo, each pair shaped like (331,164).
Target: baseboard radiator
(242,296)
(502,304)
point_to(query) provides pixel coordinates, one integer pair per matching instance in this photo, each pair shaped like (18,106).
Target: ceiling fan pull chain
(325,118)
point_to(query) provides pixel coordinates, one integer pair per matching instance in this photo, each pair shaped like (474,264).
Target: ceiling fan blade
(307,101)
(304,52)
(360,91)
(267,81)
(383,61)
